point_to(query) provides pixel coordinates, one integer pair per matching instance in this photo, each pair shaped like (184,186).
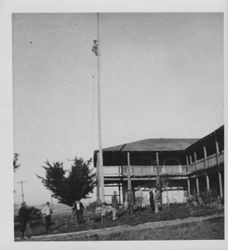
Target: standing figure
(103,211)
(152,200)
(130,201)
(47,211)
(78,209)
(115,205)
(143,200)
(156,200)
(138,198)
(23,215)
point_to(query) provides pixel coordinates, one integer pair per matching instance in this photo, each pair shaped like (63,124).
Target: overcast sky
(161,76)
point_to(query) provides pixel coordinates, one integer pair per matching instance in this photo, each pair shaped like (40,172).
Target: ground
(176,222)
(202,230)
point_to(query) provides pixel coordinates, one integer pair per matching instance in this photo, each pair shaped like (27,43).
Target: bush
(209,197)
(205,198)
(92,207)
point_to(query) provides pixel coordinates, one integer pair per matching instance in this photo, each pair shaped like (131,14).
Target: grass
(202,230)
(68,223)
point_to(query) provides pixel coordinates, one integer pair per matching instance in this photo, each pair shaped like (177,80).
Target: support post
(217,152)
(129,171)
(119,193)
(220,184)
(187,163)
(195,160)
(157,163)
(190,158)
(205,156)
(197,185)
(208,182)
(189,189)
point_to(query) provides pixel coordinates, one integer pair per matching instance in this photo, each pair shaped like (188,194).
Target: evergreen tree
(69,186)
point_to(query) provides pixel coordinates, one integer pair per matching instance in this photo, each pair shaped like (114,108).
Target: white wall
(174,196)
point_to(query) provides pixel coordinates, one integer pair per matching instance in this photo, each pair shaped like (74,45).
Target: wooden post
(157,163)
(205,156)
(197,185)
(187,163)
(217,152)
(195,159)
(187,160)
(220,184)
(208,182)
(129,171)
(190,158)
(119,193)
(189,190)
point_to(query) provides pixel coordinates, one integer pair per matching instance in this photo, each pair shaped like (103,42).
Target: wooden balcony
(146,170)
(177,170)
(209,162)
(155,170)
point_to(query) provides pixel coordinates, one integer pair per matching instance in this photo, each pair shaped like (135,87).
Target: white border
(6,139)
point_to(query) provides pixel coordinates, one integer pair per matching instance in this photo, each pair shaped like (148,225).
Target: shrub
(209,197)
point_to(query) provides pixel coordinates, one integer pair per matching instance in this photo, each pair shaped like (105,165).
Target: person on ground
(156,200)
(152,200)
(79,209)
(130,201)
(103,211)
(138,197)
(24,218)
(47,212)
(115,205)
(143,199)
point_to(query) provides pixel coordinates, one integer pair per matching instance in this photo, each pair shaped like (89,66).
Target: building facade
(189,166)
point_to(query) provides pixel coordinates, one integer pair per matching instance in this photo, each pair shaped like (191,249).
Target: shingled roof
(158,144)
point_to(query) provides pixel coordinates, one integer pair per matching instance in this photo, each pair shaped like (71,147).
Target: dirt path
(95,233)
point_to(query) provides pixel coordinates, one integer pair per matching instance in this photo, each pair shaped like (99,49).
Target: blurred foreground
(185,222)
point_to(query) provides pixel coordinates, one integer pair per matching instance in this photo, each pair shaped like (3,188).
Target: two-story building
(188,165)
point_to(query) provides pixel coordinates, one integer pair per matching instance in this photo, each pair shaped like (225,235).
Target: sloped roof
(158,144)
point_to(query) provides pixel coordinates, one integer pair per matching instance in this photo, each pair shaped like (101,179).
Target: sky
(161,76)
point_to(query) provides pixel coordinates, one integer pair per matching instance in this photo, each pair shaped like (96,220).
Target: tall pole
(101,173)
(22,190)
(97,177)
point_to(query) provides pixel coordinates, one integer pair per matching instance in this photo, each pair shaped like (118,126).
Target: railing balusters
(167,169)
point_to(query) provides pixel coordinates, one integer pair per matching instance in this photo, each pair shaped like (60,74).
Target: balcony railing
(209,162)
(154,170)
(111,171)
(201,164)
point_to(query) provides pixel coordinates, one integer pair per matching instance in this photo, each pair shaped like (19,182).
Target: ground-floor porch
(178,188)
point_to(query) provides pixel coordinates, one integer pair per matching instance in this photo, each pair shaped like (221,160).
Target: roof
(218,134)
(158,144)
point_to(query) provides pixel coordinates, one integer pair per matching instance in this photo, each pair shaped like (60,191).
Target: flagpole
(101,173)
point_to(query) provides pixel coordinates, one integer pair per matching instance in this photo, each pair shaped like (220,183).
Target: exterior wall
(174,195)
(201,170)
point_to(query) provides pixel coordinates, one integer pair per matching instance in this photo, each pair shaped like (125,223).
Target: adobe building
(189,166)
